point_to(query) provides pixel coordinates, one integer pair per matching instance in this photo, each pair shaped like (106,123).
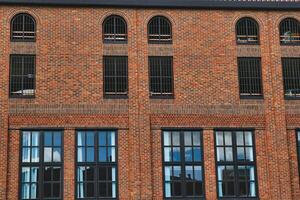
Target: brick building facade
(69,97)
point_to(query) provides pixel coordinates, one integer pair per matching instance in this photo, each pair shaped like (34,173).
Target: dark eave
(192,4)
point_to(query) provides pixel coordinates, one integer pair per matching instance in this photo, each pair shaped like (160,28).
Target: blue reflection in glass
(176,154)
(197,154)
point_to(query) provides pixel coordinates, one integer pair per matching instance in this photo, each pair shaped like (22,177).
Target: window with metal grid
(236,166)
(183,164)
(96,166)
(159,30)
(161,75)
(114,29)
(115,75)
(290,32)
(298,148)
(250,77)
(22,75)
(41,165)
(23,28)
(247,31)
(291,77)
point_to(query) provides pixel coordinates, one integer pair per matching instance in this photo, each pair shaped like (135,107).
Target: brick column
(69,164)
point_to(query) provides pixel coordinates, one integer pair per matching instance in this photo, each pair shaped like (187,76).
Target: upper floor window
(183,165)
(250,77)
(159,30)
(290,31)
(247,31)
(236,168)
(161,76)
(41,165)
(114,29)
(23,27)
(96,171)
(291,77)
(22,75)
(298,148)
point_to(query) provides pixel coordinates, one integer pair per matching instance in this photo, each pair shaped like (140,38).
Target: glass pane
(219,139)
(90,139)
(177,189)
(252,189)
(80,174)
(188,138)
(113,174)
(196,138)
(26,155)
(80,139)
(189,173)
(102,139)
(248,138)
(47,190)
(56,155)
(240,138)
(102,154)
(168,189)
(102,173)
(56,173)
(228,139)
(111,139)
(80,154)
(57,138)
(188,154)
(167,154)
(197,154)
(114,190)
(220,154)
(221,171)
(240,153)
(176,138)
(25,191)
(176,172)
(229,155)
(90,154)
(111,154)
(167,138)
(48,139)
(220,189)
(89,173)
(25,174)
(168,173)
(47,154)
(34,174)
(102,189)
(26,139)
(56,190)
(80,190)
(47,174)
(35,139)
(189,188)
(176,154)
(198,173)
(35,155)
(90,190)
(249,154)
(34,191)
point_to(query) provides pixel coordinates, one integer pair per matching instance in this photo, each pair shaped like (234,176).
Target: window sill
(251,97)
(162,96)
(291,98)
(115,96)
(22,97)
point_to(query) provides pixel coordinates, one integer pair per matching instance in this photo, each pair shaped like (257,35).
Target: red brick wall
(69,94)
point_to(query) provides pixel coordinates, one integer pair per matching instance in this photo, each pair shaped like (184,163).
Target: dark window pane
(159,30)
(47,190)
(177,189)
(56,190)
(47,174)
(291,77)
(89,173)
(290,31)
(247,31)
(114,29)
(56,173)
(102,189)
(23,28)
(90,190)
(102,173)
(189,188)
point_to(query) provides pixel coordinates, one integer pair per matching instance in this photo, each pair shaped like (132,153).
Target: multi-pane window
(96,172)
(289,31)
(160,30)
(115,75)
(298,148)
(183,164)
(22,75)
(114,29)
(236,169)
(41,165)
(291,77)
(23,28)
(161,76)
(250,77)
(247,31)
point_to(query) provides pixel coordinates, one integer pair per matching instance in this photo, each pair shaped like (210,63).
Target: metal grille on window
(116,75)
(250,77)
(290,31)
(22,75)
(23,28)
(247,31)
(96,165)
(236,169)
(161,76)
(41,165)
(183,164)
(291,77)
(114,29)
(159,30)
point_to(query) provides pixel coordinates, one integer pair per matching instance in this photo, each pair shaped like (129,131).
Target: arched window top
(289,31)
(247,31)
(160,30)
(114,29)
(23,27)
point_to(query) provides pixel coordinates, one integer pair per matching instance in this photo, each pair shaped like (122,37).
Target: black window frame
(115,94)
(41,164)
(282,35)
(235,163)
(157,38)
(182,162)
(286,63)
(96,163)
(161,94)
(23,38)
(249,94)
(115,34)
(248,36)
(22,95)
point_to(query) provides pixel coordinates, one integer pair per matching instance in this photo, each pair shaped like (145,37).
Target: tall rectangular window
(236,168)
(250,77)
(96,173)
(115,75)
(291,77)
(183,164)
(298,147)
(22,75)
(41,165)
(161,76)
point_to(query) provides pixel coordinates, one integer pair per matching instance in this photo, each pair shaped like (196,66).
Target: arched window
(23,27)
(247,31)
(159,30)
(114,29)
(290,31)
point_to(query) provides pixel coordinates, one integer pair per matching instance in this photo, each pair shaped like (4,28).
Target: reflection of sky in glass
(176,154)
